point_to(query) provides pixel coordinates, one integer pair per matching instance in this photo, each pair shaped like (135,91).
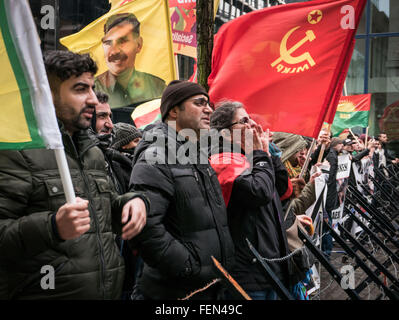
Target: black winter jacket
(254,212)
(187,223)
(31,192)
(119,164)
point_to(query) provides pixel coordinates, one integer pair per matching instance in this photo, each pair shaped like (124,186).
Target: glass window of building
(56,19)
(355,78)
(384,16)
(383,84)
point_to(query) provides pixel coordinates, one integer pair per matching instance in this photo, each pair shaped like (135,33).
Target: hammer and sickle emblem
(286,54)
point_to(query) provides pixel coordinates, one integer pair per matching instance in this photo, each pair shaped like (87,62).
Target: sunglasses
(243,120)
(202,102)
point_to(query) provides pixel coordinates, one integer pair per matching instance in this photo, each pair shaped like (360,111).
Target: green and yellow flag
(352,111)
(156,56)
(27,112)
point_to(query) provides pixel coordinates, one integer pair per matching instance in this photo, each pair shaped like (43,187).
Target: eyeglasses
(202,102)
(243,120)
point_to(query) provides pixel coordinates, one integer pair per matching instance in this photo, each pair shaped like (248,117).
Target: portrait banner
(132,46)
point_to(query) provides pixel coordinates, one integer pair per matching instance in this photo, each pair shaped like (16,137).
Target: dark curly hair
(223,116)
(102,97)
(65,64)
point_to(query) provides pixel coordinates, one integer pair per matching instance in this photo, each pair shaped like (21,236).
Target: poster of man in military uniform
(124,84)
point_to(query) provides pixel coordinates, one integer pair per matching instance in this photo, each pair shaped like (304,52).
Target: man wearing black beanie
(173,108)
(187,223)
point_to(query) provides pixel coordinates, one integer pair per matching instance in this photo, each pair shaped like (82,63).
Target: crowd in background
(143,229)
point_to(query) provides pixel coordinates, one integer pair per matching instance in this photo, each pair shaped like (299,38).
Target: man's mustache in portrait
(117,56)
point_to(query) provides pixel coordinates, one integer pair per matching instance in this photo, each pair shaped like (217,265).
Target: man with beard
(38,228)
(117,141)
(124,84)
(118,165)
(102,122)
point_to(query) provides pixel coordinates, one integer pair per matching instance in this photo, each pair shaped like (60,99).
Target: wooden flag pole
(230,280)
(323,146)
(357,140)
(365,140)
(306,164)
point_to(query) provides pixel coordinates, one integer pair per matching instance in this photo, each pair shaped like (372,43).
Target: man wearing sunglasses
(188,223)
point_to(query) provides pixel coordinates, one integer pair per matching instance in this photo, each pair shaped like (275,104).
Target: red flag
(287,63)
(332,107)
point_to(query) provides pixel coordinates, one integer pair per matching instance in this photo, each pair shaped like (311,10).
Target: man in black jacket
(38,228)
(187,223)
(252,199)
(119,167)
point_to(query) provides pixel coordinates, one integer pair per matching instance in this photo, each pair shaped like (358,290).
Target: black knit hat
(124,133)
(176,92)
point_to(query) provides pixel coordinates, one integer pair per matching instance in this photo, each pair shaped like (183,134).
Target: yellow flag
(12,102)
(156,55)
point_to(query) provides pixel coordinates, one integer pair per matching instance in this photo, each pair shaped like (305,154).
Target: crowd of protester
(154,205)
